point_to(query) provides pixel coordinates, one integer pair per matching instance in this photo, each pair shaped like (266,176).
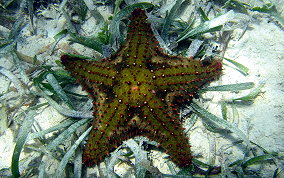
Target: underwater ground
(235,126)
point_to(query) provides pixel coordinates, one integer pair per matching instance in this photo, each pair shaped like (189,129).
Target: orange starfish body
(138,92)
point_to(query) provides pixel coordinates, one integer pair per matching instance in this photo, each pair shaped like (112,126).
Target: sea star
(138,92)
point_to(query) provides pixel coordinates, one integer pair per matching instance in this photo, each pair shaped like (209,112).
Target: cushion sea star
(138,92)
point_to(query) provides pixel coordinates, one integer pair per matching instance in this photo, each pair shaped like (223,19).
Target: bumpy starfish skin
(138,92)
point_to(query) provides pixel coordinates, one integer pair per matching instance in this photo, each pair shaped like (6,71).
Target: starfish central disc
(133,87)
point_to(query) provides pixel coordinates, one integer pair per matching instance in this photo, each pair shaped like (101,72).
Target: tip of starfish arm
(88,161)
(185,162)
(66,58)
(138,11)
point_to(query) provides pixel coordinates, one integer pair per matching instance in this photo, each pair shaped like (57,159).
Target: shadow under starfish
(138,92)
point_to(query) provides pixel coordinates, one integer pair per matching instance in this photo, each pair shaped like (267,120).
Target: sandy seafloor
(261,49)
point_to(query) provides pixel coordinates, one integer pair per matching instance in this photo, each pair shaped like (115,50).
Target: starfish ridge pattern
(138,92)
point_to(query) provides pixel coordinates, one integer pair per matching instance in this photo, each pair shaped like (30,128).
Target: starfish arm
(106,133)
(88,73)
(168,132)
(188,74)
(140,43)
